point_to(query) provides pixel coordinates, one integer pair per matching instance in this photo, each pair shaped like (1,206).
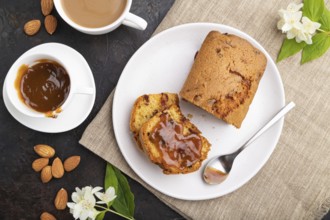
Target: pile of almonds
(56,170)
(32,27)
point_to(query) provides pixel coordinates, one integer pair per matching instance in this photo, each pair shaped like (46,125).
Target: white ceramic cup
(29,60)
(126,18)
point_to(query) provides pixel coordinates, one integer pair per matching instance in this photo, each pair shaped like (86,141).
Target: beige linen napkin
(295,182)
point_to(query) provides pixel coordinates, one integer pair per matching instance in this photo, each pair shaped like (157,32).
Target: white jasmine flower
(280,24)
(299,35)
(303,36)
(292,23)
(106,197)
(291,20)
(293,33)
(96,189)
(305,33)
(282,12)
(309,26)
(83,205)
(293,7)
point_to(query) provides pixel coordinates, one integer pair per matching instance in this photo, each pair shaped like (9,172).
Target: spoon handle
(277,117)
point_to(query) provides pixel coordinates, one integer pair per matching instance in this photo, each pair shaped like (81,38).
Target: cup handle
(134,21)
(84,90)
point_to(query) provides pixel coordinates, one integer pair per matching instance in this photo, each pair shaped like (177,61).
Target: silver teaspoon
(218,168)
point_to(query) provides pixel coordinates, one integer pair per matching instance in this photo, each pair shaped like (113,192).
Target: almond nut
(47,216)
(32,27)
(40,163)
(61,199)
(46,6)
(71,163)
(46,174)
(57,168)
(50,24)
(44,150)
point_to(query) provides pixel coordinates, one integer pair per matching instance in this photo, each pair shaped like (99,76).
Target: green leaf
(313,9)
(100,216)
(110,178)
(321,43)
(289,48)
(325,20)
(124,203)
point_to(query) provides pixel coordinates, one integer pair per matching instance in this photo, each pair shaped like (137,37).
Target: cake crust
(225,77)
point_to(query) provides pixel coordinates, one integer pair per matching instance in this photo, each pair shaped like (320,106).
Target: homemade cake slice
(147,106)
(224,77)
(171,141)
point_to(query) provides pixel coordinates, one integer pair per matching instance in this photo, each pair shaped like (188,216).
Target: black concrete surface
(22,195)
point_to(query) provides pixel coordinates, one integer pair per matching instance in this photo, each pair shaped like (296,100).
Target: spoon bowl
(218,168)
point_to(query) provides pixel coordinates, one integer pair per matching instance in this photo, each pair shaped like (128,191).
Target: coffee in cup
(93,13)
(98,16)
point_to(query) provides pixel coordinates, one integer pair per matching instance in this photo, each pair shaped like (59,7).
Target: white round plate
(162,65)
(80,105)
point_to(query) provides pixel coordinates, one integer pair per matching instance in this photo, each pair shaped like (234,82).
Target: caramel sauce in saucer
(44,86)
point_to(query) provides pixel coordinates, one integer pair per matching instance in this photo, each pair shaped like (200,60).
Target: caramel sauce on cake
(176,149)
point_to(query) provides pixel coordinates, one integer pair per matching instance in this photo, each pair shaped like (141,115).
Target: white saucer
(79,107)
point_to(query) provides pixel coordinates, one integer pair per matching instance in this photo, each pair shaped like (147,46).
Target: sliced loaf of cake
(225,77)
(171,141)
